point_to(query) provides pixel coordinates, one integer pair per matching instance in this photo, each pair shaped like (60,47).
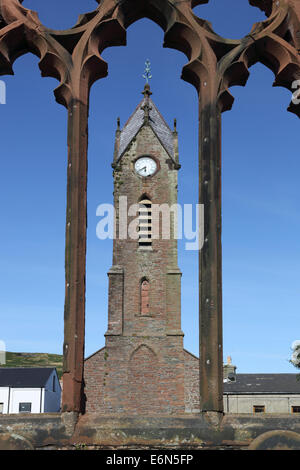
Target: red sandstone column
(210,258)
(75,255)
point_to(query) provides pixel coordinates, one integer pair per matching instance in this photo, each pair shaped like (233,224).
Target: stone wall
(138,382)
(94,381)
(135,376)
(196,431)
(191,383)
(141,370)
(276,403)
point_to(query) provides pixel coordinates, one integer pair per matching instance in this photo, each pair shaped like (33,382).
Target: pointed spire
(147,114)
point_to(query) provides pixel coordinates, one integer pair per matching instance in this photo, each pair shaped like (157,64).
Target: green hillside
(14,359)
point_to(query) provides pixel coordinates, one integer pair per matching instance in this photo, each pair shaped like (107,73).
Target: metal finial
(147,74)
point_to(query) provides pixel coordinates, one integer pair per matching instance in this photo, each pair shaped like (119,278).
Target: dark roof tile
(19,377)
(263,383)
(157,123)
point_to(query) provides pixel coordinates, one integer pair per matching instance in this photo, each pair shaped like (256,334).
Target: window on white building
(25,407)
(258,409)
(295,409)
(1,408)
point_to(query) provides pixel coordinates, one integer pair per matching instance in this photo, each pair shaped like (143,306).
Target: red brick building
(143,368)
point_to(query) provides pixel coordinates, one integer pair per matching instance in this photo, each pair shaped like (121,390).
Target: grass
(15,359)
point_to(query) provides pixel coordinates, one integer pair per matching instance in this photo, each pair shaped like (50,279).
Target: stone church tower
(141,369)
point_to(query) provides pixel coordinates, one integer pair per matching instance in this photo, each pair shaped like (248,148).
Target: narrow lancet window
(145,289)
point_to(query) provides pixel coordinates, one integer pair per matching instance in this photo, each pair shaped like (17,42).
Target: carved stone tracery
(214,65)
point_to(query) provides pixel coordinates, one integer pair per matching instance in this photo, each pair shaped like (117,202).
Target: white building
(29,390)
(262,393)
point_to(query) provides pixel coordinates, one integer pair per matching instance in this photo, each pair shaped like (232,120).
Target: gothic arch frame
(215,64)
(152,364)
(142,280)
(145,196)
(144,346)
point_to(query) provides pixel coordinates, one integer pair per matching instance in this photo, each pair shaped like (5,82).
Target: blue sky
(261,166)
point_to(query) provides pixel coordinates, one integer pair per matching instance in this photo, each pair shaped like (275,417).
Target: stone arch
(277,55)
(276,440)
(143,379)
(75,53)
(74,58)
(143,346)
(146,196)
(158,11)
(274,43)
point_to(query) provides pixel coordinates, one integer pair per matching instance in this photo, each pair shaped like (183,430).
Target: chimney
(229,371)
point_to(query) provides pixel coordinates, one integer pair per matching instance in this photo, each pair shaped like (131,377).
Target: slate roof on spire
(156,122)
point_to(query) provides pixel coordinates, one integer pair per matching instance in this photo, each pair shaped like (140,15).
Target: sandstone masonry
(142,369)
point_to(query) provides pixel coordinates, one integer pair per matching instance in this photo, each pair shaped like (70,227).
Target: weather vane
(147,75)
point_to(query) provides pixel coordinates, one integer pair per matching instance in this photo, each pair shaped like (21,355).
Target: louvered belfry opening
(145,223)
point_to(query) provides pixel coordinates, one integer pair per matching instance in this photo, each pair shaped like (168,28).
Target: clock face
(145,166)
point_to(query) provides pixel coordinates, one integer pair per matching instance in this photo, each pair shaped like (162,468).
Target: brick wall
(155,264)
(144,384)
(141,369)
(94,381)
(191,383)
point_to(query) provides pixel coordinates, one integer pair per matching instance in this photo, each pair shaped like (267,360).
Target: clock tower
(141,368)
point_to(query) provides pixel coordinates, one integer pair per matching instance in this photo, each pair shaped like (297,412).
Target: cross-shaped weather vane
(147,74)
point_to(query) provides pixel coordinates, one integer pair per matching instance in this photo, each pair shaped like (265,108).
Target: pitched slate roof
(25,377)
(263,383)
(157,123)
